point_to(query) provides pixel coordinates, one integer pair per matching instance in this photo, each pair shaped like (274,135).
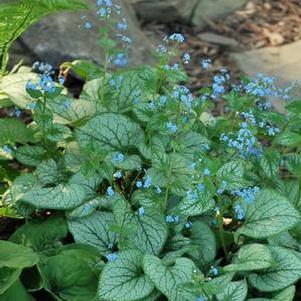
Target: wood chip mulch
(261,23)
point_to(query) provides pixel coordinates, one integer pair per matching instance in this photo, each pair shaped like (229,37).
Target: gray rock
(165,11)
(214,9)
(61,37)
(188,11)
(283,62)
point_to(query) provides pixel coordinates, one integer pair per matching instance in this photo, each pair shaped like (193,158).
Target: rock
(188,11)
(61,37)
(283,62)
(220,40)
(214,9)
(165,11)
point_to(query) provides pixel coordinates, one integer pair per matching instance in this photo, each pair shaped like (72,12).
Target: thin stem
(221,229)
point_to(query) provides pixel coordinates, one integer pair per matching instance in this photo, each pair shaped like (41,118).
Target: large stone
(165,11)
(283,62)
(214,9)
(61,37)
(196,12)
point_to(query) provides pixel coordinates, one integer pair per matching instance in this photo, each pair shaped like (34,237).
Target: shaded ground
(261,23)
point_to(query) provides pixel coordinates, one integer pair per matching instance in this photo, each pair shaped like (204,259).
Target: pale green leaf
(123,279)
(269,214)
(95,231)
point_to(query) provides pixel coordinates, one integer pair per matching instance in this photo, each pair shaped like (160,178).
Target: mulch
(261,23)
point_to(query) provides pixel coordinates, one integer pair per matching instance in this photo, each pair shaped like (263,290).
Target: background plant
(163,199)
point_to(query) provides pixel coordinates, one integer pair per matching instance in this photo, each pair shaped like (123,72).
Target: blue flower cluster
(112,257)
(147,182)
(184,95)
(239,212)
(172,219)
(244,141)
(177,37)
(247,194)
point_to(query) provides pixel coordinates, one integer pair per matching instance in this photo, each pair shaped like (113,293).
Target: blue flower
(139,184)
(17,112)
(223,187)
(141,211)
(148,182)
(206,172)
(206,63)
(122,25)
(158,189)
(239,212)
(110,191)
(177,37)
(172,219)
(171,127)
(118,158)
(118,174)
(188,225)
(186,58)
(248,194)
(214,271)
(161,49)
(163,100)
(112,257)
(31,86)
(87,25)
(6,149)
(120,60)
(201,187)
(201,298)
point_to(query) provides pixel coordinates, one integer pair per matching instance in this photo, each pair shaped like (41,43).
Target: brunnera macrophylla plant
(138,190)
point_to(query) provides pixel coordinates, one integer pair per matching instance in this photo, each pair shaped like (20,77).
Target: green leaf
(85,69)
(235,291)
(294,106)
(16,292)
(112,132)
(76,111)
(16,256)
(233,172)
(268,215)
(192,143)
(285,271)
(42,236)
(13,131)
(287,294)
(203,240)
(58,132)
(171,170)
(251,257)
(168,279)
(217,284)
(151,232)
(13,85)
(270,163)
(30,155)
(95,231)
(203,204)
(87,253)
(123,279)
(126,90)
(47,172)
(131,162)
(288,139)
(7,277)
(69,277)
(60,197)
